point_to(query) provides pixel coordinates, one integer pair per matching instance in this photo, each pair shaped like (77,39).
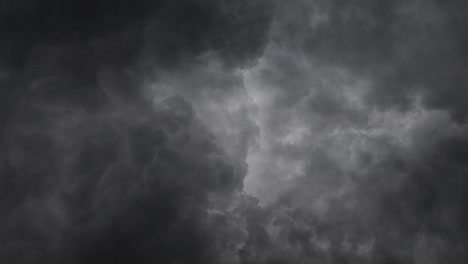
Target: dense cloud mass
(237,132)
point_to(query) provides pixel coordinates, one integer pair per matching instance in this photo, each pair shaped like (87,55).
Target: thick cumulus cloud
(407,47)
(95,167)
(361,134)
(128,184)
(78,42)
(124,185)
(128,129)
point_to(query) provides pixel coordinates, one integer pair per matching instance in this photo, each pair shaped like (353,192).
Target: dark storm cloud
(362,123)
(406,47)
(173,28)
(91,170)
(349,114)
(124,185)
(401,205)
(428,207)
(75,41)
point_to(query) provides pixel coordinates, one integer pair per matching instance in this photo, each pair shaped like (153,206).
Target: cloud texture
(212,131)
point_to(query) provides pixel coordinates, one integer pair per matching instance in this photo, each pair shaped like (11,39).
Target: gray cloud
(356,118)
(407,48)
(93,170)
(233,132)
(116,186)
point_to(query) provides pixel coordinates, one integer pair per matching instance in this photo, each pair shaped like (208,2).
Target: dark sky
(234,131)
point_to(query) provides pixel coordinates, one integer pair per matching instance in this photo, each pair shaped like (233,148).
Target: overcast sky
(234,131)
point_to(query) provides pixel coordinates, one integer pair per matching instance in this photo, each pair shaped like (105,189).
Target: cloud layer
(203,131)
